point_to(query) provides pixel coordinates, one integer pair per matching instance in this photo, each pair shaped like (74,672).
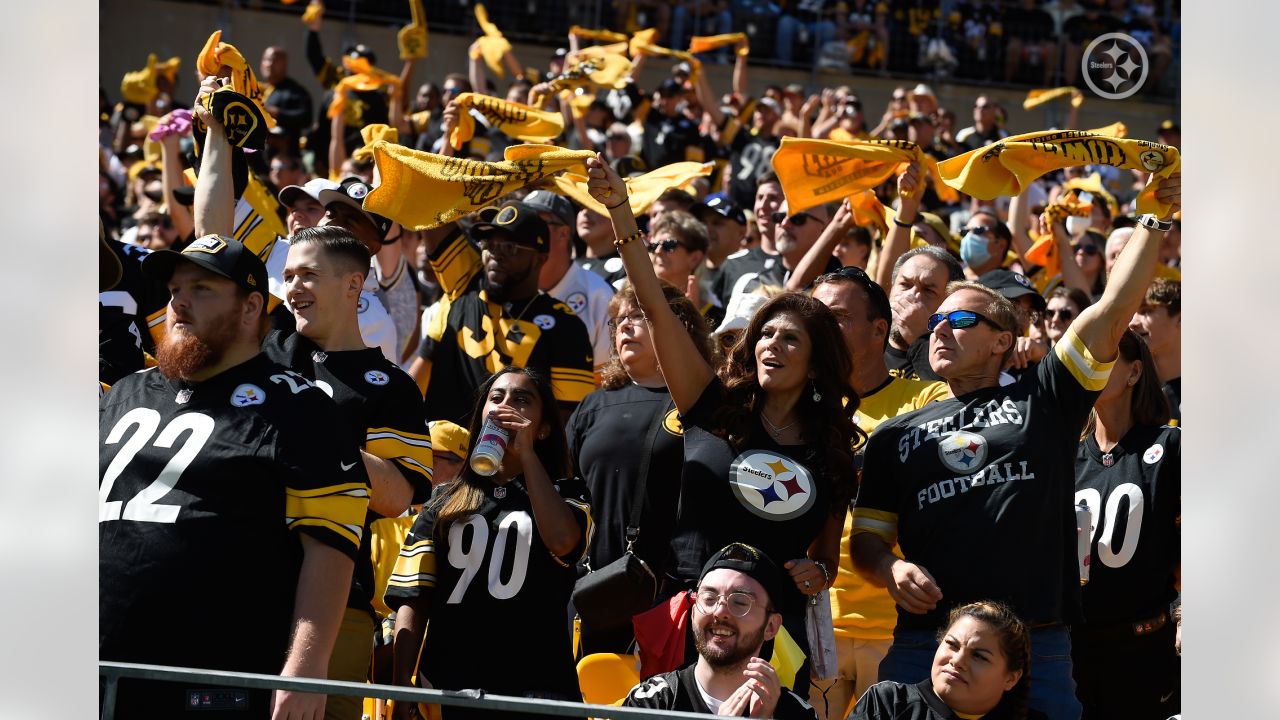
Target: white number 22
(143,506)
(468,559)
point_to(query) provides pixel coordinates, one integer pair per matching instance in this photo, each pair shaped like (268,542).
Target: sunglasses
(502,247)
(1087,249)
(960,319)
(978,230)
(666,246)
(799,219)
(1060,314)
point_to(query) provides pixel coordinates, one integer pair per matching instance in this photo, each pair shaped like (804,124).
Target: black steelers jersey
(497,595)
(383,409)
(136,297)
(899,701)
(1134,494)
(678,690)
(978,489)
(472,337)
(203,489)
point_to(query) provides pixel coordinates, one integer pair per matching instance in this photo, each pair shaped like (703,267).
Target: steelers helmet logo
(248,394)
(546,322)
(671,423)
(1151,160)
(212,244)
(506,216)
(772,486)
(357,191)
(962,452)
(1153,454)
(1021,280)
(376,377)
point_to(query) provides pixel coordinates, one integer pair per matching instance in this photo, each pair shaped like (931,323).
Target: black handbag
(607,598)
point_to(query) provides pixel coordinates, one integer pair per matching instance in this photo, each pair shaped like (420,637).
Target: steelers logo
(577,302)
(671,423)
(1153,454)
(1022,280)
(357,191)
(1151,160)
(772,486)
(362,304)
(376,377)
(963,452)
(248,394)
(546,322)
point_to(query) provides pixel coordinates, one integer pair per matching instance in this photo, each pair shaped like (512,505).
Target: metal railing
(112,672)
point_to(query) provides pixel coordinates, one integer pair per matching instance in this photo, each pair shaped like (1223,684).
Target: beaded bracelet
(619,242)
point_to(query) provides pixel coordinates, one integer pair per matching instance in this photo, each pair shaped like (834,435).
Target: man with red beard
(231,502)
(733,616)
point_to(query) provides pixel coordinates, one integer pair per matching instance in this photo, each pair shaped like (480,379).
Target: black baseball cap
(519,220)
(670,87)
(750,562)
(549,202)
(352,191)
(219,255)
(722,205)
(1012,285)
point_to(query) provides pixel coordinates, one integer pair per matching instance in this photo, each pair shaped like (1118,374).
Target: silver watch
(1151,222)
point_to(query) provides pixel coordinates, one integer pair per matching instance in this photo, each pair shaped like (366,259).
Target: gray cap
(549,202)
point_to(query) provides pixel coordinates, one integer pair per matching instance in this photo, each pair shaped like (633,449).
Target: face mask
(973,250)
(1077,225)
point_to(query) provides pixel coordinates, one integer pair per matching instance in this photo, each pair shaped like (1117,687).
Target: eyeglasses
(1087,249)
(978,230)
(668,245)
(960,319)
(740,604)
(502,247)
(635,317)
(799,219)
(1060,314)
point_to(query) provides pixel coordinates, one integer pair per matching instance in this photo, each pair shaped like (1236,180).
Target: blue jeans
(1053,691)
(789,27)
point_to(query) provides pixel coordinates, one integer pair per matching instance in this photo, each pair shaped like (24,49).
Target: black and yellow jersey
(916,702)
(487,579)
(472,337)
(203,490)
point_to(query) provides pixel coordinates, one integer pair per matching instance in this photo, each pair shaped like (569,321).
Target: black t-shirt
(749,156)
(472,338)
(912,363)
(749,262)
(384,411)
(608,436)
(678,691)
(1173,393)
(497,595)
(890,700)
(671,139)
(137,297)
(202,490)
(774,497)
(1137,509)
(978,490)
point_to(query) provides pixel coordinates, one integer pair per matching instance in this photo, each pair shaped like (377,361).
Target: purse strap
(637,494)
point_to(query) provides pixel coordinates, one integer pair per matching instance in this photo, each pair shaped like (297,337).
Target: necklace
(515,333)
(774,430)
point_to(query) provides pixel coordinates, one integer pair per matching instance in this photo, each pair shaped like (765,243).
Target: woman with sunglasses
(1062,306)
(767,439)
(1128,473)
(631,418)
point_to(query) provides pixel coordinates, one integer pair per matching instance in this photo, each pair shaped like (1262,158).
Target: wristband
(901,224)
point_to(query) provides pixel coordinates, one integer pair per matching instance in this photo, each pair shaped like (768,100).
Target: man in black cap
(1028,348)
(733,616)
(726,223)
(230,501)
(669,135)
(492,315)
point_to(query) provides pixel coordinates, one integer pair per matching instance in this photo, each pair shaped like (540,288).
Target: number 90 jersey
(498,596)
(202,490)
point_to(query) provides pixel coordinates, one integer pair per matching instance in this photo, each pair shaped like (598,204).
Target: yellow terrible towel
(513,119)
(813,172)
(1006,167)
(422,190)
(1036,98)
(608,36)
(707,43)
(372,134)
(493,46)
(641,190)
(362,76)
(216,54)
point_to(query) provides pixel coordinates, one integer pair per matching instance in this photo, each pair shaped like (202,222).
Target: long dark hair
(1015,643)
(464,495)
(1148,404)
(827,423)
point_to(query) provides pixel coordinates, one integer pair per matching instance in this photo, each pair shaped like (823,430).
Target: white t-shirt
(587,295)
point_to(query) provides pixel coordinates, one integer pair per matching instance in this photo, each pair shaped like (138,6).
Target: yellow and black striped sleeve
(571,385)
(414,574)
(333,514)
(455,263)
(880,523)
(398,432)
(1075,356)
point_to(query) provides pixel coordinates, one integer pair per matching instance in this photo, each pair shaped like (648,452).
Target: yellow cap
(449,437)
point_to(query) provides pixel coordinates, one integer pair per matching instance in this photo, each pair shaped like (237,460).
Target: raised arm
(671,342)
(1101,324)
(910,190)
(815,258)
(475,69)
(740,70)
(215,201)
(1072,274)
(170,180)
(1020,224)
(337,141)
(710,105)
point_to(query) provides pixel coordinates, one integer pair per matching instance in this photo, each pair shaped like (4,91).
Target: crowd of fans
(841,437)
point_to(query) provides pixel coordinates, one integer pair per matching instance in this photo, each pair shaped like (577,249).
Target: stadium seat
(606,678)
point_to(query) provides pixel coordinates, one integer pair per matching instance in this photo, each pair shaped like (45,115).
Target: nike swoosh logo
(348,466)
(1165,698)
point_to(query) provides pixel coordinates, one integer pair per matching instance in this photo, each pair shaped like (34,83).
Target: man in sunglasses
(977,490)
(795,233)
(985,243)
(733,616)
(494,315)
